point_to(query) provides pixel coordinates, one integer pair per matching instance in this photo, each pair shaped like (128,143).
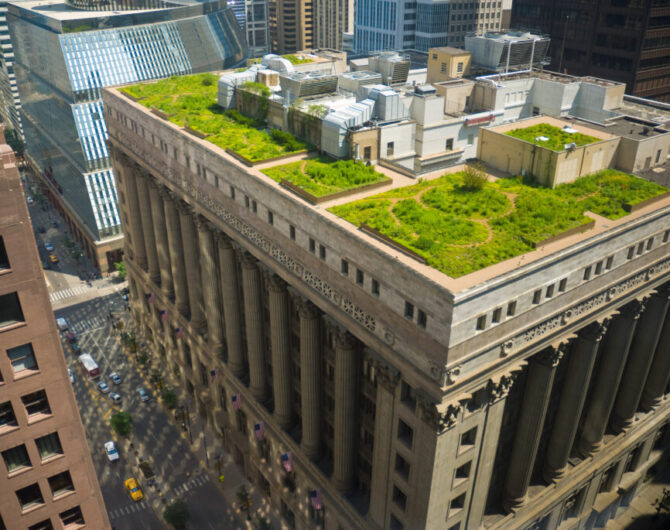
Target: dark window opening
(61,483)
(10,310)
(36,403)
(30,496)
(405,433)
(4,259)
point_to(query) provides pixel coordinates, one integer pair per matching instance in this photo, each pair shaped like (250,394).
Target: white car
(103,387)
(69,373)
(49,247)
(29,199)
(144,395)
(116,378)
(110,449)
(116,398)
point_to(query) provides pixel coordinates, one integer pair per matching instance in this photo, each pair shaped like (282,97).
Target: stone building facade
(360,389)
(47,479)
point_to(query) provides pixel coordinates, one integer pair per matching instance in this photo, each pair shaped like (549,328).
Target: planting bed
(556,138)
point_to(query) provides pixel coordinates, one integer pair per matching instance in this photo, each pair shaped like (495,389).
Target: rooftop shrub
(557,138)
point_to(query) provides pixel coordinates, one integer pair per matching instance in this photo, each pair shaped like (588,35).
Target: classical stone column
(231,305)
(191,255)
(346,385)
(134,216)
(639,361)
(539,382)
(253,320)
(160,233)
(575,386)
(281,351)
(210,287)
(607,379)
(659,375)
(387,383)
(310,379)
(176,253)
(148,229)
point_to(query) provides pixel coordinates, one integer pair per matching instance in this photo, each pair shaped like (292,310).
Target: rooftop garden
(323,176)
(290,57)
(190,101)
(460,226)
(551,137)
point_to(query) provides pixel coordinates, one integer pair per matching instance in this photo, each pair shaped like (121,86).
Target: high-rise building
(358,385)
(396,25)
(291,25)
(254,17)
(64,54)
(10,104)
(332,18)
(625,41)
(47,478)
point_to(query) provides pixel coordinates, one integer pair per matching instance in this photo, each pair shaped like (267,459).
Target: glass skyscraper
(64,54)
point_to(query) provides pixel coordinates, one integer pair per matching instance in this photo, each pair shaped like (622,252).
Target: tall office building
(332,19)
(398,24)
(254,17)
(47,478)
(10,104)
(624,41)
(64,54)
(360,387)
(291,25)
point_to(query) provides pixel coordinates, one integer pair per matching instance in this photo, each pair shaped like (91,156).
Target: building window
(42,525)
(360,278)
(254,207)
(73,516)
(666,236)
(232,192)
(457,504)
(562,285)
(48,446)
(409,310)
(481,322)
(61,483)
(497,315)
(22,358)
(640,249)
(4,259)
(395,524)
(463,471)
(389,148)
(421,318)
(468,439)
(344,267)
(375,287)
(399,498)
(246,202)
(450,144)
(405,433)
(10,310)
(407,395)
(631,252)
(537,296)
(402,466)
(550,291)
(322,252)
(312,245)
(271,217)
(650,243)
(459,67)
(609,262)
(471,139)
(443,68)
(16,458)
(7,417)
(511,309)
(291,230)
(587,273)
(30,496)
(36,403)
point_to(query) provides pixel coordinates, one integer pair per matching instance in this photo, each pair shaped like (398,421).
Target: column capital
(634,308)
(440,416)
(388,376)
(553,354)
(165,193)
(185,208)
(597,330)
(202,223)
(248,261)
(500,385)
(344,340)
(307,310)
(276,284)
(222,240)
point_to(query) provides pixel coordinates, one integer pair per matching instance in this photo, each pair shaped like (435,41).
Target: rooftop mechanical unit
(302,84)
(504,52)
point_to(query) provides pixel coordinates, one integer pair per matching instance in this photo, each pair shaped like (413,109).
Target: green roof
(551,137)
(190,101)
(458,230)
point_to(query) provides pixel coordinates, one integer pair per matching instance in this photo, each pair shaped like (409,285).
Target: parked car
(133,488)
(144,395)
(61,323)
(103,387)
(53,258)
(116,379)
(29,199)
(116,398)
(111,451)
(71,375)
(49,247)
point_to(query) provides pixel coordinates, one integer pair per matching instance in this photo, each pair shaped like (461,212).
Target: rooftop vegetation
(323,176)
(292,58)
(556,140)
(459,229)
(190,101)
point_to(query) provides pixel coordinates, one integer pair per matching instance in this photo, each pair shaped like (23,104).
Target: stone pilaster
(253,319)
(346,392)
(310,379)
(191,259)
(539,382)
(659,375)
(281,351)
(148,229)
(580,366)
(177,264)
(210,287)
(615,352)
(639,361)
(134,216)
(160,233)
(231,305)
(387,383)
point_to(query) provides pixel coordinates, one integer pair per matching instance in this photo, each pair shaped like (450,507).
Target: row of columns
(633,371)
(197,267)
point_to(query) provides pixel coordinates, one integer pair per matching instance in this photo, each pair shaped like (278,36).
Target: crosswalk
(85,325)
(127,510)
(67,293)
(187,487)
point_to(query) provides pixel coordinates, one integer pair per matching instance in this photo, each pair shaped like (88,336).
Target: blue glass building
(64,54)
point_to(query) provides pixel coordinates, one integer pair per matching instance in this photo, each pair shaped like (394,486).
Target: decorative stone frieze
(440,416)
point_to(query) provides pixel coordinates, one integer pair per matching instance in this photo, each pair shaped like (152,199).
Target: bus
(89,365)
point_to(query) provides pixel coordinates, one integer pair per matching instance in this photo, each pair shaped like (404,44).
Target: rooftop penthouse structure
(419,352)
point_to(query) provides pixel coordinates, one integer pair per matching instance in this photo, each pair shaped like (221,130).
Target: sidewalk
(99,289)
(641,514)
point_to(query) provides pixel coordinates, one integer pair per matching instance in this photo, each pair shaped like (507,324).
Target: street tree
(122,423)
(121,267)
(176,514)
(169,398)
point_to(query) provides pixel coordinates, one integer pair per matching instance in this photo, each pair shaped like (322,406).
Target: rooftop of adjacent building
(629,127)
(545,74)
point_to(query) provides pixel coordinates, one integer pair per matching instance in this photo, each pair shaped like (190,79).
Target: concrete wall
(637,155)
(456,95)
(402,135)
(359,140)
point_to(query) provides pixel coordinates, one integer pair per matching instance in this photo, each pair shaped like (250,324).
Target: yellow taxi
(53,258)
(133,488)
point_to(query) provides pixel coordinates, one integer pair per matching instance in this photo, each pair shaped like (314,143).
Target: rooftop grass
(458,230)
(323,176)
(557,137)
(190,101)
